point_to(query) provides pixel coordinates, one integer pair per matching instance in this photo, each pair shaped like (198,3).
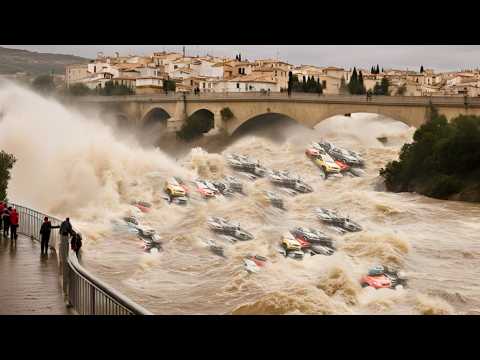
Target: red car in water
(343,166)
(257,259)
(143,206)
(304,244)
(312,152)
(206,189)
(376,281)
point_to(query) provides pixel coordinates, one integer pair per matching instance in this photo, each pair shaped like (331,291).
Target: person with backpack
(45,231)
(76,242)
(6,221)
(66,230)
(14,219)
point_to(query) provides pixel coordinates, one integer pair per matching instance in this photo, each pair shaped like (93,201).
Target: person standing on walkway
(45,231)
(2,208)
(6,221)
(14,218)
(65,230)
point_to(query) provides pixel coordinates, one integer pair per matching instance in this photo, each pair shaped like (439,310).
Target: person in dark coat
(2,208)
(6,222)
(45,231)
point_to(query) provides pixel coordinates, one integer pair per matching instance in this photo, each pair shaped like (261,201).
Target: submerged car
(174,189)
(313,236)
(253,263)
(206,189)
(381,277)
(243,163)
(224,226)
(151,240)
(289,243)
(131,220)
(327,164)
(177,193)
(143,206)
(284,178)
(214,248)
(348,157)
(274,199)
(228,185)
(343,167)
(332,218)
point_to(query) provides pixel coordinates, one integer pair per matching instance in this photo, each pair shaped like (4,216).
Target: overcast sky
(438,57)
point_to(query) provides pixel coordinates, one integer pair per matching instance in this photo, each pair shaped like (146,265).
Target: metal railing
(283,96)
(87,294)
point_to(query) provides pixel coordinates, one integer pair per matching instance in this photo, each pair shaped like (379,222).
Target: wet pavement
(29,283)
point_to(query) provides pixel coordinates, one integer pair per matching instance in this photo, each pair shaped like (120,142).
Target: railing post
(92,300)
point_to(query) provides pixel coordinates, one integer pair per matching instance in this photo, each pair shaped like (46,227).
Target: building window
(239,70)
(204,85)
(324,84)
(238,85)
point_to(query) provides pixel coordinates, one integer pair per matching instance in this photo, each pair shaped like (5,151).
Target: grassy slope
(34,63)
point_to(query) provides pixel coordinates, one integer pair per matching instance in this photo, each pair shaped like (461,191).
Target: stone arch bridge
(308,109)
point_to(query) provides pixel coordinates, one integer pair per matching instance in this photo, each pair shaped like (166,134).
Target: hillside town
(171,71)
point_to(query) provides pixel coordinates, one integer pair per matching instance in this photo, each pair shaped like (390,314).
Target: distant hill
(34,63)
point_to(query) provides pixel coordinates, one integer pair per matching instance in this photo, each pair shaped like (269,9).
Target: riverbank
(442,162)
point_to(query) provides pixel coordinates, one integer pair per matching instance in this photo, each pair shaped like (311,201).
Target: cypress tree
(304,84)
(421,69)
(352,85)
(378,69)
(289,89)
(361,88)
(319,86)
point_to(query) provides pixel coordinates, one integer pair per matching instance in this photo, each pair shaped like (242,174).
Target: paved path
(29,283)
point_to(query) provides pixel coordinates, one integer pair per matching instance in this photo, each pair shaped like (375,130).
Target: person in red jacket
(14,218)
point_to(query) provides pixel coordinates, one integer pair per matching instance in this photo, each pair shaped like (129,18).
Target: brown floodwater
(92,174)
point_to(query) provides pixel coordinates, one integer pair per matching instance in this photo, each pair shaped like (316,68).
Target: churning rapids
(77,165)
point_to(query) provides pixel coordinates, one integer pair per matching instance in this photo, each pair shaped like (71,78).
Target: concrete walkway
(29,283)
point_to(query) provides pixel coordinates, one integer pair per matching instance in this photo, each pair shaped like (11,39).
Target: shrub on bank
(226,113)
(443,159)
(6,164)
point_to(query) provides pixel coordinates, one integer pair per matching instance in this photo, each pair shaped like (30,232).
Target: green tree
(169,85)
(44,83)
(382,88)
(6,164)
(320,87)
(378,70)
(360,86)
(421,69)
(353,83)
(443,158)
(79,89)
(113,89)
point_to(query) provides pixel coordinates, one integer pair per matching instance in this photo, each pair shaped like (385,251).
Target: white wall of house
(244,86)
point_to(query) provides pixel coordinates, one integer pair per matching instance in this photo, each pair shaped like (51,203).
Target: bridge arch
(395,115)
(203,120)
(265,123)
(155,117)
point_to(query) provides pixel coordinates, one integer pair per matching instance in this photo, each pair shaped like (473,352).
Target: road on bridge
(29,282)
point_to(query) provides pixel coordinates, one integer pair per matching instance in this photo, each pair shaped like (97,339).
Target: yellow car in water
(289,243)
(326,163)
(174,189)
